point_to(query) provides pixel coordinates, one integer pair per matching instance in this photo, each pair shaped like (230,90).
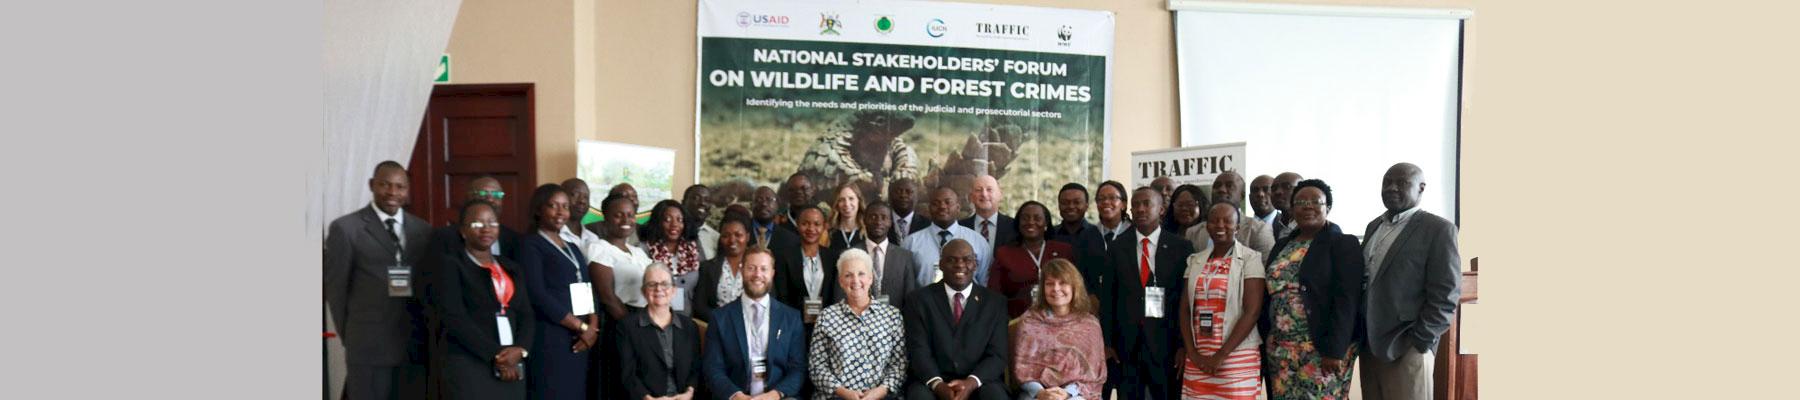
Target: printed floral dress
(1294,367)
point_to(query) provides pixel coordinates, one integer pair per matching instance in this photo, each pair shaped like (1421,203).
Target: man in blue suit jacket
(755,347)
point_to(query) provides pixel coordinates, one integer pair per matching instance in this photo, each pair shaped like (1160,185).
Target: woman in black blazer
(659,349)
(734,238)
(1310,321)
(485,358)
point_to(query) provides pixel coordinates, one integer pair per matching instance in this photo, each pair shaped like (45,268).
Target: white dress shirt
(399,224)
(750,331)
(926,250)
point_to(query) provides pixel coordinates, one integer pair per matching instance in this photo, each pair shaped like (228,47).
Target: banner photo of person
(868,93)
(1198,165)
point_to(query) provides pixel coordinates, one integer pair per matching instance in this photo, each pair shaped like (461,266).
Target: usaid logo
(1002,31)
(936,28)
(746,20)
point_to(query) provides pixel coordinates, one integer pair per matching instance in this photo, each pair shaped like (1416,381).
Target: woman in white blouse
(619,280)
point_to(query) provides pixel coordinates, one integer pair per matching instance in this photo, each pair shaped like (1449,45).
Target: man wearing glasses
(447,240)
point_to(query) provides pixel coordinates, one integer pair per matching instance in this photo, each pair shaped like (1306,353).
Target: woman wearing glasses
(488,317)
(1315,286)
(556,276)
(657,347)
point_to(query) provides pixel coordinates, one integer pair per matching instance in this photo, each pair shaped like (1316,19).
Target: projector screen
(1333,97)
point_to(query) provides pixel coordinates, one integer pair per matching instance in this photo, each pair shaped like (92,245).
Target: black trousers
(404,382)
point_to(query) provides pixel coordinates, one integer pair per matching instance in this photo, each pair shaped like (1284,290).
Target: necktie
(943,238)
(1144,264)
(984,231)
(395,235)
(1107,241)
(878,262)
(756,329)
(956,307)
(901,226)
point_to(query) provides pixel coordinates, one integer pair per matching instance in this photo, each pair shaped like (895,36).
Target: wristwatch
(584,327)
(524,353)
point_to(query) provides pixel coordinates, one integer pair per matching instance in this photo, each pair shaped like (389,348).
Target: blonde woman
(858,350)
(846,229)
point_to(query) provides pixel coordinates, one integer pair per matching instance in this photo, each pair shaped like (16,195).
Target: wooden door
(471,130)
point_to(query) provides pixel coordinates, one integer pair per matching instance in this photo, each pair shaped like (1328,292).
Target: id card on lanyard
(1205,317)
(581,292)
(399,277)
(503,292)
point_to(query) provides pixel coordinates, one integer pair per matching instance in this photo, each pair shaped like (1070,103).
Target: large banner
(1198,165)
(865,93)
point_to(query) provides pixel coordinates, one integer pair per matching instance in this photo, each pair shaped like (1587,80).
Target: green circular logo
(884,24)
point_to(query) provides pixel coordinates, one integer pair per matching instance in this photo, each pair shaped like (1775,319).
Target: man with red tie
(1139,304)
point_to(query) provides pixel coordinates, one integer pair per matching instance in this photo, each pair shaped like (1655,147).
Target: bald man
(995,227)
(1229,188)
(448,240)
(1281,192)
(1261,200)
(1413,273)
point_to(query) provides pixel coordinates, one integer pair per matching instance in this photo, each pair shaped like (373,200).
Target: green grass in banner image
(766,144)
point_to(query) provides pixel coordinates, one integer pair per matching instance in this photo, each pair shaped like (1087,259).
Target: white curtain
(1339,95)
(379,59)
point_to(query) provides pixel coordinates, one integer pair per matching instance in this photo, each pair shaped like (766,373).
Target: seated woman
(658,350)
(1058,351)
(857,349)
(488,317)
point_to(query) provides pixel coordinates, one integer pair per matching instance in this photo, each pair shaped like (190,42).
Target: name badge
(883,299)
(504,326)
(1206,323)
(1037,293)
(581,298)
(679,302)
(813,306)
(1153,302)
(399,280)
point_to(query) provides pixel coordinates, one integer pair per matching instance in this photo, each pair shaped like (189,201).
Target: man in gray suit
(369,255)
(894,269)
(1413,273)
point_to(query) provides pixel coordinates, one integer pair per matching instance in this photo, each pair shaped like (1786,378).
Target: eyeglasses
(479,225)
(495,194)
(1308,203)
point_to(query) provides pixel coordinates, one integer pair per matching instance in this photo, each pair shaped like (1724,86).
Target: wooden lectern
(1454,374)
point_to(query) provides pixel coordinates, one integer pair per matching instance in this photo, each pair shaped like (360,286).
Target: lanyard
(1037,259)
(503,285)
(847,235)
(567,252)
(1207,277)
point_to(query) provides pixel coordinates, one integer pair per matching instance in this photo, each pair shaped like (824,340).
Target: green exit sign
(443,69)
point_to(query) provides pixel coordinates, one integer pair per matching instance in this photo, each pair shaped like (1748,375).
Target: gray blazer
(899,278)
(1251,232)
(377,330)
(1414,292)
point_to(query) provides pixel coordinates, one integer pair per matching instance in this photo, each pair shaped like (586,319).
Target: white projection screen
(1334,93)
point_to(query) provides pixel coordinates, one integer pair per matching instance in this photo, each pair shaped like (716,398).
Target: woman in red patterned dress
(1218,327)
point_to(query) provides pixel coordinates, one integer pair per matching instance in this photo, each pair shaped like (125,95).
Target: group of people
(1177,292)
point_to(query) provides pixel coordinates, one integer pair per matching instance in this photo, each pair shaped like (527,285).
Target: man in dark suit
(446,239)
(795,192)
(1147,266)
(1413,274)
(956,337)
(895,272)
(369,287)
(994,226)
(765,230)
(901,199)
(1090,253)
(755,347)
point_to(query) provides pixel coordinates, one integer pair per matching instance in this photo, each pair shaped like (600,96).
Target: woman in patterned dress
(1224,298)
(668,241)
(858,351)
(1315,286)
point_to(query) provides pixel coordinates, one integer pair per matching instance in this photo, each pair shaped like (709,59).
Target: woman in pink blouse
(1058,352)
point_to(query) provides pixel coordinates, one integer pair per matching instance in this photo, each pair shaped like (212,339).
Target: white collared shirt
(1155,238)
(399,223)
(1270,219)
(951,294)
(814,275)
(925,249)
(903,223)
(993,227)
